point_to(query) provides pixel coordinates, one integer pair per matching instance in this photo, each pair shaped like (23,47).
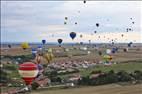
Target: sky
(32,21)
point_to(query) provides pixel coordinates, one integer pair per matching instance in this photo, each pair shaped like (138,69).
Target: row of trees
(111,77)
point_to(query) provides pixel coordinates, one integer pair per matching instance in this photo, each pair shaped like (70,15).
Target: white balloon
(88,52)
(108,51)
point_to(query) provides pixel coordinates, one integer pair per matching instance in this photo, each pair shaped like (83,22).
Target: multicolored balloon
(28,72)
(34,52)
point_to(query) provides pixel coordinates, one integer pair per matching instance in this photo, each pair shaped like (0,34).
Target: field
(128,61)
(104,89)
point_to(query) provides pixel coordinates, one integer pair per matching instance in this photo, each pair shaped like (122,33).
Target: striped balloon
(28,72)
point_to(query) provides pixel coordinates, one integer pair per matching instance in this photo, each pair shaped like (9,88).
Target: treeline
(111,77)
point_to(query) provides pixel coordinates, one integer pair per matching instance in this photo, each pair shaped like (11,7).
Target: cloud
(46,18)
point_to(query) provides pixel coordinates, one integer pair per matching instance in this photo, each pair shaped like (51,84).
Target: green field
(104,89)
(128,67)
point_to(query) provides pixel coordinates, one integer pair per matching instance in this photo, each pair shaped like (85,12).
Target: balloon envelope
(66,18)
(65,23)
(28,72)
(9,46)
(43,41)
(108,51)
(60,41)
(72,35)
(97,24)
(34,51)
(25,45)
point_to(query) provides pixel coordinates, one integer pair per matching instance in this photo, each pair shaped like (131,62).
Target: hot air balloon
(95,31)
(72,35)
(38,58)
(43,41)
(81,43)
(25,45)
(60,41)
(100,53)
(84,1)
(66,18)
(129,45)
(127,29)
(97,24)
(9,46)
(65,23)
(125,49)
(34,52)
(131,18)
(39,48)
(40,68)
(48,57)
(107,59)
(81,36)
(50,50)
(75,23)
(28,72)
(112,43)
(113,50)
(108,51)
(130,29)
(89,41)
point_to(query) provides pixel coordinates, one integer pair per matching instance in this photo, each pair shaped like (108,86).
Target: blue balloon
(60,41)
(129,44)
(72,35)
(43,41)
(34,51)
(113,50)
(39,46)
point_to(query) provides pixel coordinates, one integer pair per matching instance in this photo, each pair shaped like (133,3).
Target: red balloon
(28,71)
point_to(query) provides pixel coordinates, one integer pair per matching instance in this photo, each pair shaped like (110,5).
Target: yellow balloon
(51,56)
(48,57)
(107,57)
(25,45)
